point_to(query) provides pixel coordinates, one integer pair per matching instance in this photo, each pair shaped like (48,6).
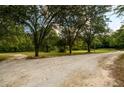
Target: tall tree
(70,24)
(38,19)
(96,23)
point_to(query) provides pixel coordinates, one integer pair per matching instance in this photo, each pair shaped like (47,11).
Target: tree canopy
(57,28)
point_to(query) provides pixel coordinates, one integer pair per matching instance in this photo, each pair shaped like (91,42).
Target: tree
(38,19)
(15,39)
(50,42)
(70,24)
(118,38)
(96,23)
(119,10)
(5,24)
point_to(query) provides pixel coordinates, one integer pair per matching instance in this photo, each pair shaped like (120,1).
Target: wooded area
(58,28)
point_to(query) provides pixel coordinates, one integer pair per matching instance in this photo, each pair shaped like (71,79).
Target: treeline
(60,28)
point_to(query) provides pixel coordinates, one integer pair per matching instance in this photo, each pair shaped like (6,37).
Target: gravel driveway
(78,70)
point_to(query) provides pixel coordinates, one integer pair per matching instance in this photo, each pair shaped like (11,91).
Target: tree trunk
(36,50)
(47,48)
(70,49)
(88,47)
(94,46)
(36,43)
(64,48)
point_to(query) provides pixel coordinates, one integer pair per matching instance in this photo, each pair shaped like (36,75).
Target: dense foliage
(57,28)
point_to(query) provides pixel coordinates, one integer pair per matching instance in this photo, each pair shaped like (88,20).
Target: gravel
(57,71)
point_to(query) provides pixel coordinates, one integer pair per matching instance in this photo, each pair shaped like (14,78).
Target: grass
(118,71)
(74,52)
(51,54)
(4,57)
(30,55)
(104,50)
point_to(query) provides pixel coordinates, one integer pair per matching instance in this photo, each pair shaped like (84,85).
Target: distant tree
(50,41)
(13,38)
(119,34)
(118,38)
(96,23)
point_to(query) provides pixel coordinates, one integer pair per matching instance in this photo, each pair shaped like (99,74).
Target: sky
(115,21)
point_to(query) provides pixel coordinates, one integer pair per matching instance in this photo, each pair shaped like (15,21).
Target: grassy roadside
(118,71)
(4,57)
(52,54)
(104,50)
(30,55)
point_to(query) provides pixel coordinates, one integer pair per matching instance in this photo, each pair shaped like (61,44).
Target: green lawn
(4,56)
(74,52)
(104,50)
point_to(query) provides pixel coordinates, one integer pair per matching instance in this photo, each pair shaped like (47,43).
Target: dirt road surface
(66,71)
